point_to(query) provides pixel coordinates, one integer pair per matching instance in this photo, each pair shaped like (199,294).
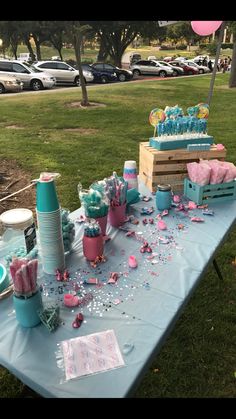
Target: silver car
(150,67)
(177,71)
(10,84)
(63,72)
(30,77)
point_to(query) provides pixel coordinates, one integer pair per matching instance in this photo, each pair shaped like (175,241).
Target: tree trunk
(37,46)
(14,49)
(29,46)
(77,46)
(103,52)
(232,79)
(60,53)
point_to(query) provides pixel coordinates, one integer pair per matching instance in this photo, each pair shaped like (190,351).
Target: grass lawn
(198,359)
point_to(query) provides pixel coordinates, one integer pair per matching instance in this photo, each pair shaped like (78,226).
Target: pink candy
(133,262)
(161,225)
(71,300)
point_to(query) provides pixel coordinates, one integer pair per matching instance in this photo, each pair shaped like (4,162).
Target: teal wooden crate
(171,143)
(209,193)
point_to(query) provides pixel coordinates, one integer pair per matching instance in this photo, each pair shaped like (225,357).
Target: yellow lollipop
(156,115)
(203,110)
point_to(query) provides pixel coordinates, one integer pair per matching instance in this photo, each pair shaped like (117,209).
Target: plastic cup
(46,196)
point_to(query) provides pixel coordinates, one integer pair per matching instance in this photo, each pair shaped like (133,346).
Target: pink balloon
(204,27)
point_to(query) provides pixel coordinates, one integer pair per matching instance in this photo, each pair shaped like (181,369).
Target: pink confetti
(197,219)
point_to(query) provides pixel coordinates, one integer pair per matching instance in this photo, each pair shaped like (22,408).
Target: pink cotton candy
(161,225)
(199,173)
(230,174)
(217,171)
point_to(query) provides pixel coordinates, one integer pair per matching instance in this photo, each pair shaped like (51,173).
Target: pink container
(93,247)
(117,215)
(102,221)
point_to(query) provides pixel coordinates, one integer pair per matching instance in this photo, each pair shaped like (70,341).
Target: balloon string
(23,189)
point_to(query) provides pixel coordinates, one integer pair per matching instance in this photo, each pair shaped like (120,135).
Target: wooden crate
(169,166)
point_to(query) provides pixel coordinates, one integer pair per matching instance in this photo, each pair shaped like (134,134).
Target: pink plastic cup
(117,215)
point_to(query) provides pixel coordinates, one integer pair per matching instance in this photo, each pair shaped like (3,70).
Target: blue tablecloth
(150,300)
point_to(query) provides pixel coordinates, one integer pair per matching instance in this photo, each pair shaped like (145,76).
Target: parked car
(102,76)
(121,73)
(200,58)
(26,57)
(177,71)
(202,68)
(63,72)
(151,67)
(129,58)
(10,84)
(30,77)
(188,70)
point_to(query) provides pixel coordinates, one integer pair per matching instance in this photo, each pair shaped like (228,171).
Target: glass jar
(17,229)
(163,197)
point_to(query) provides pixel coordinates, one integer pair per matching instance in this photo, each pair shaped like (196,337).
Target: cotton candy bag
(218,172)
(199,173)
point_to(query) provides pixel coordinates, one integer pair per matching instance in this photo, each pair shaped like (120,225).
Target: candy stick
(18,283)
(25,278)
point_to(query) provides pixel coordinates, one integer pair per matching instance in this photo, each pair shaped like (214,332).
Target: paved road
(91,85)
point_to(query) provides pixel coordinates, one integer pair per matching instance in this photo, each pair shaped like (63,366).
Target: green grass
(198,359)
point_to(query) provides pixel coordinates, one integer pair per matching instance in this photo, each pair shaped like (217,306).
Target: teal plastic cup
(46,196)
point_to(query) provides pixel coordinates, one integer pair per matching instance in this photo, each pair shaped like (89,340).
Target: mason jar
(17,228)
(163,197)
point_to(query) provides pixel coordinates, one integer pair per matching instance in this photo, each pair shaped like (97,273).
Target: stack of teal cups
(49,227)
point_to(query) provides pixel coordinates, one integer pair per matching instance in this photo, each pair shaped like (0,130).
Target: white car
(63,72)
(202,68)
(30,77)
(149,67)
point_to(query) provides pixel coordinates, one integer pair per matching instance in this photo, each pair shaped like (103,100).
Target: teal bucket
(46,196)
(27,309)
